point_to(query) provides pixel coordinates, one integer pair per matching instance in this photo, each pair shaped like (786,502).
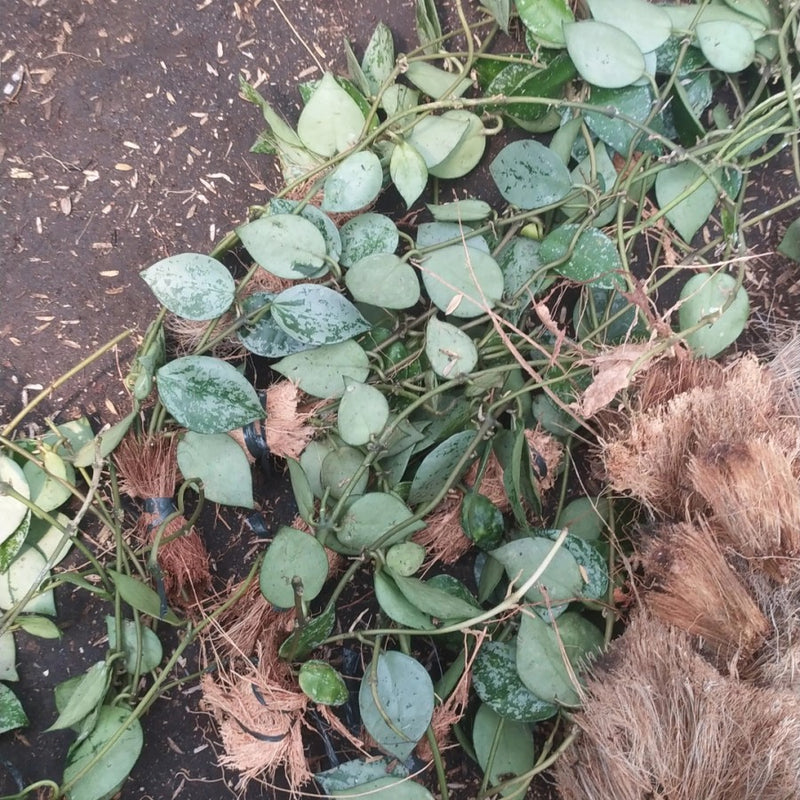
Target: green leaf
(299,644)
(265,337)
(220,463)
(504,748)
(405,558)
(318,218)
(430,234)
(530,175)
(436,472)
(356,773)
(141,597)
(323,684)
(435,138)
(140,644)
(481,521)
(28,570)
(408,172)
(497,683)
(373,515)
(8,657)
(686,17)
(500,10)
(207,395)
(38,626)
(363,413)
(331,120)
(396,606)
(586,517)
(645,23)
(321,372)
(378,62)
(635,102)
(519,260)
(12,512)
(706,296)
(355,71)
(383,280)
(540,663)
(560,582)
(12,715)
(591,562)
(689,209)
(468,151)
(365,235)
(354,184)
(728,46)
(396,702)
(398,98)
(292,554)
(13,544)
(450,351)
(340,468)
(545,20)
(603,55)
(462,281)
(434,601)
(285,245)
(790,243)
(436,83)
(594,257)
(429,29)
(301,488)
(47,491)
(467,210)
(106,442)
(191,285)
(106,777)
(88,693)
(314,315)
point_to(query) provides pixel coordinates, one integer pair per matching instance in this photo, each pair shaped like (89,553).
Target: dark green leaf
(790,243)
(356,773)
(437,471)
(397,606)
(322,683)
(434,601)
(12,715)
(481,520)
(141,646)
(590,258)
(299,644)
(632,102)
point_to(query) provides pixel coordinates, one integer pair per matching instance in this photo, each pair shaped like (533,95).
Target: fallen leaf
(612,374)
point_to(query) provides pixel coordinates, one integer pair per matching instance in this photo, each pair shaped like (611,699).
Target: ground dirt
(126,142)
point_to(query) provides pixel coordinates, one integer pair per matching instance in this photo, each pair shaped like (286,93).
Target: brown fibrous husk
(545,451)
(647,456)
(751,489)
(148,469)
(697,591)
(185,335)
(287,428)
(659,721)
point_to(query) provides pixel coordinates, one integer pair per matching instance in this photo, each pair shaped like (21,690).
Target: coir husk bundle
(700,698)
(148,471)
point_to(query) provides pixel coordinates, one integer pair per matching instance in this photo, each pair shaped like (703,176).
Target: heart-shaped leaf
(396,702)
(354,184)
(530,175)
(450,351)
(331,120)
(690,207)
(383,280)
(321,372)
(291,556)
(603,55)
(220,463)
(363,413)
(467,153)
(191,285)
(207,395)
(545,20)
(644,22)
(285,245)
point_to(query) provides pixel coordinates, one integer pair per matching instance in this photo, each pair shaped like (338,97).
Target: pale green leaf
(8,657)
(450,351)
(191,285)
(354,184)
(363,413)
(322,683)
(467,210)
(378,62)
(438,469)
(396,702)
(462,281)
(28,570)
(321,372)
(545,20)
(468,151)
(356,773)
(12,715)
(285,245)
(265,337)
(89,692)
(396,606)
(49,486)
(331,120)
(142,648)
(318,218)
(141,597)
(408,171)
(688,195)
(383,280)
(292,554)
(603,55)
(530,175)
(341,472)
(371,516)
(366,235)
(220,463)
(644,22)
(435,137)
(12,511)
(430,234)
(728,46)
